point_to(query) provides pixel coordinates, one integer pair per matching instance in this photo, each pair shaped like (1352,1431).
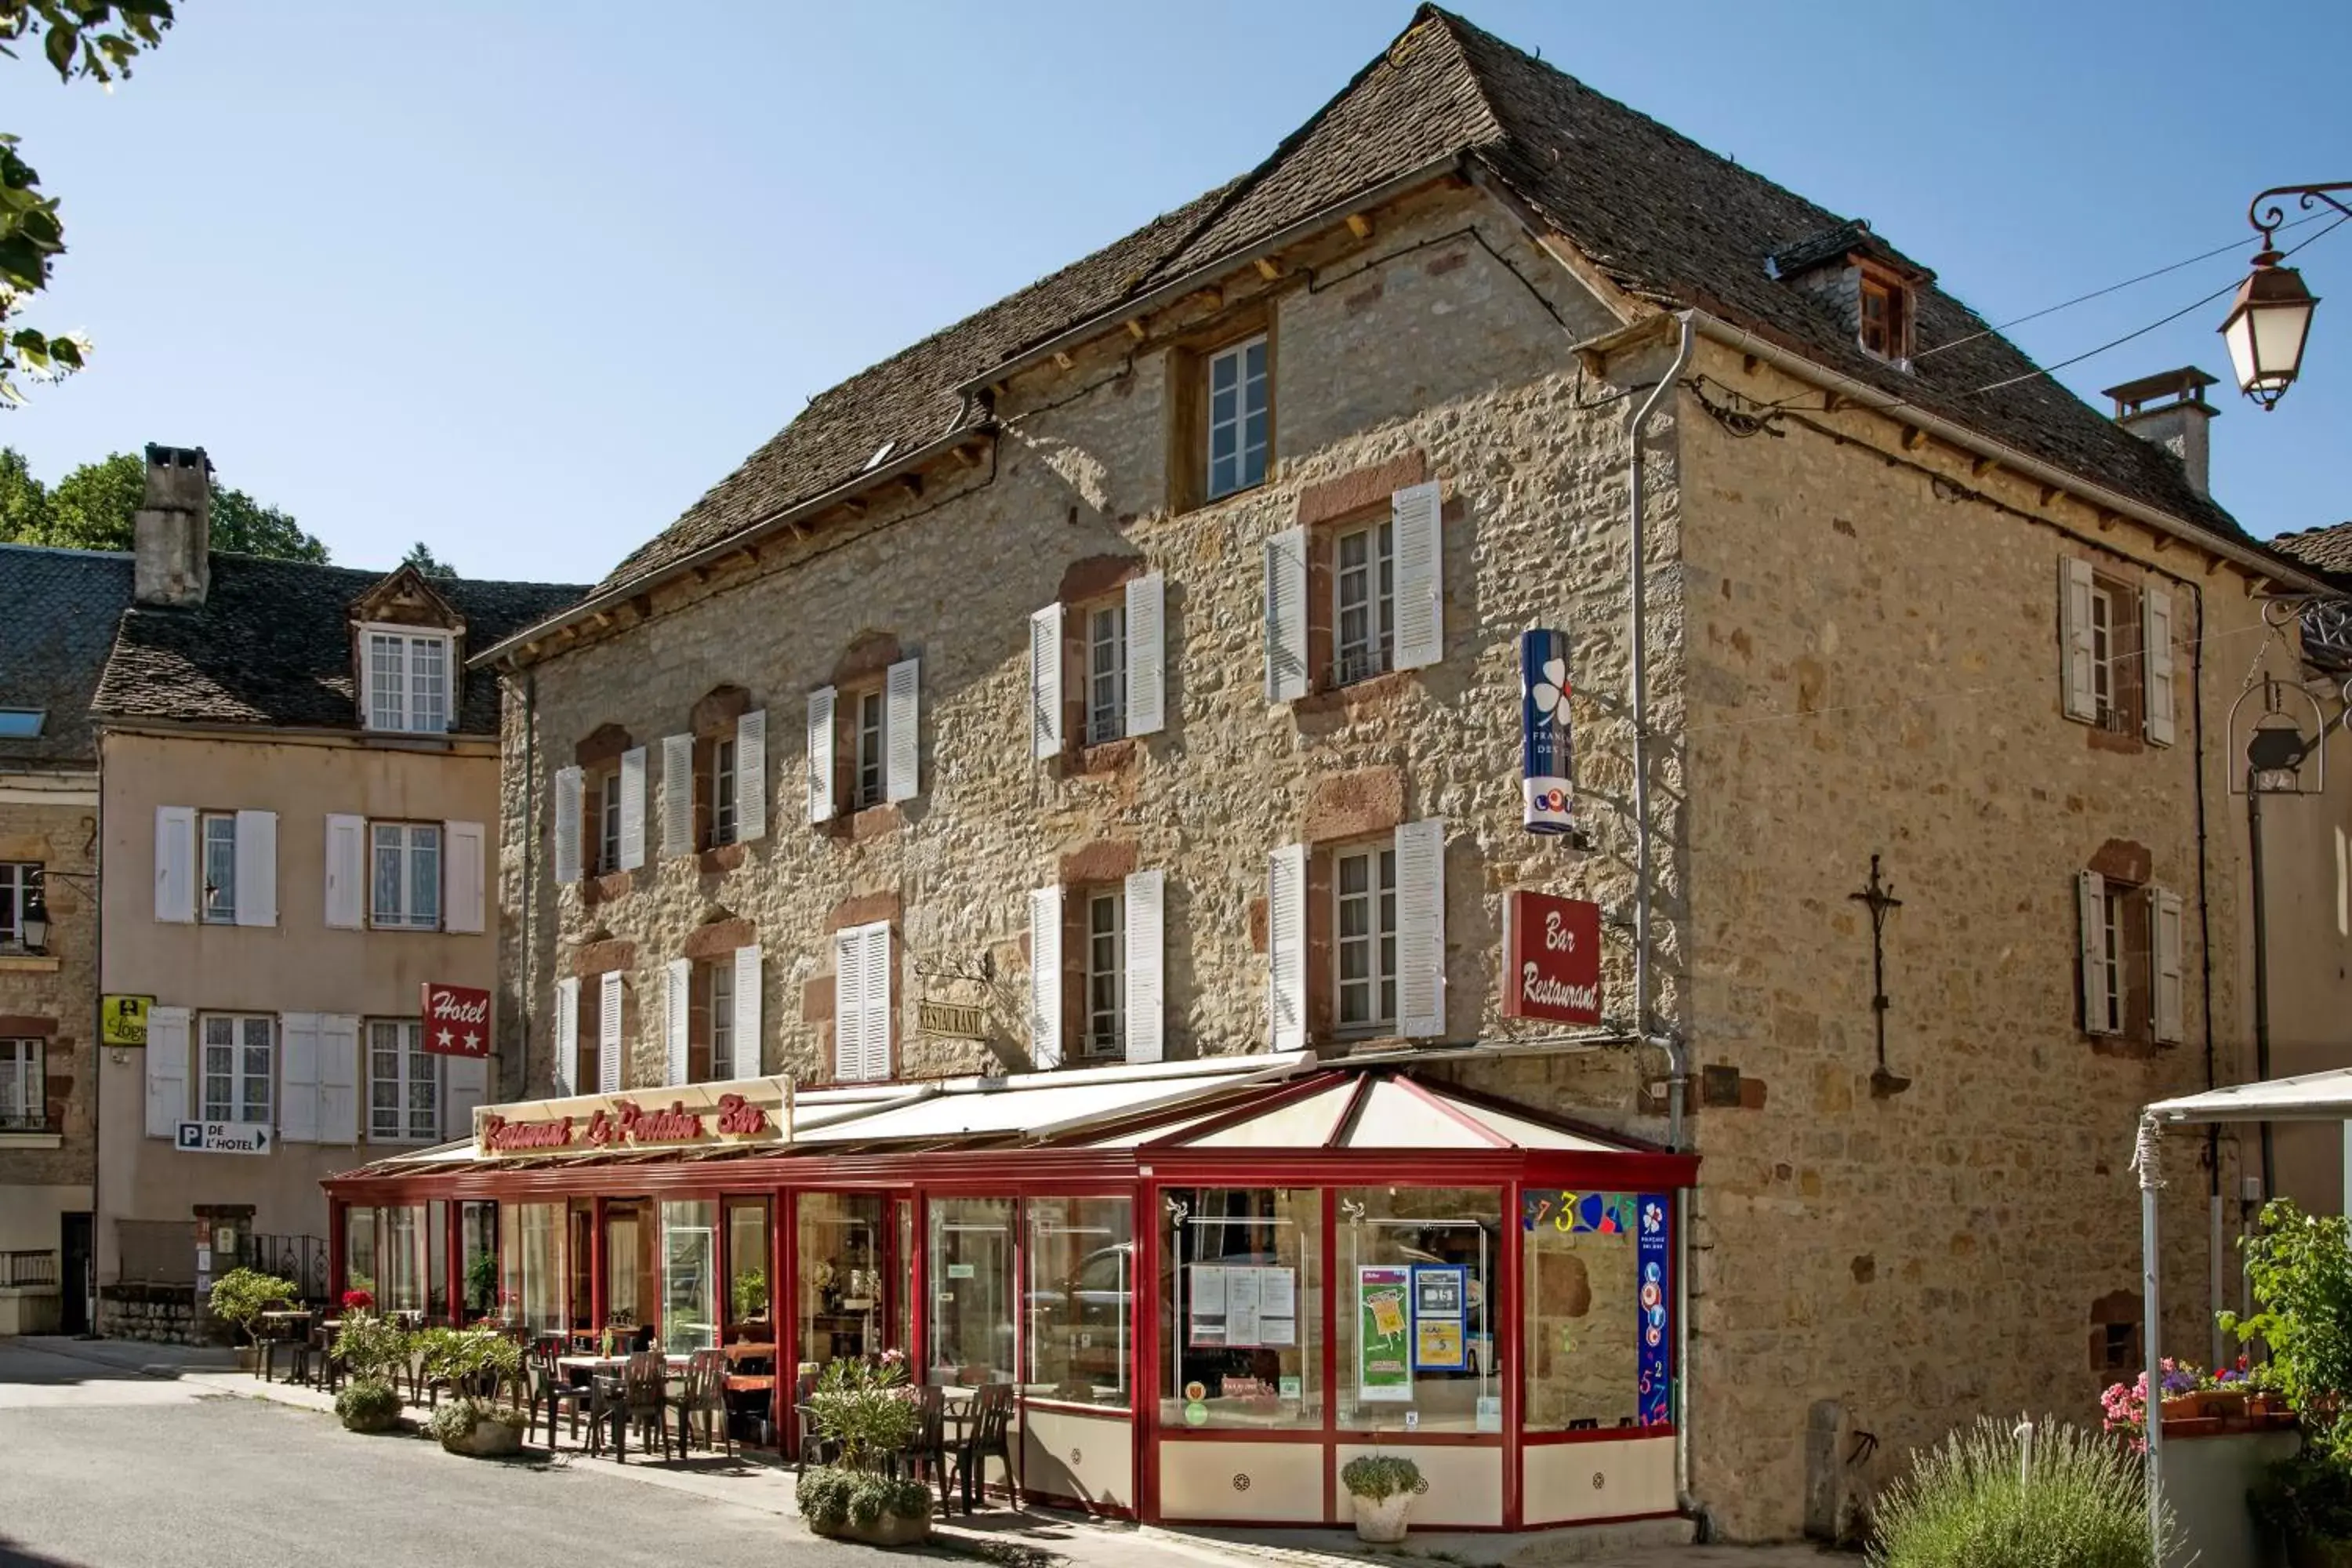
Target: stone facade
(1854,650)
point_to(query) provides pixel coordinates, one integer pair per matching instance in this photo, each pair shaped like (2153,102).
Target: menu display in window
(1241,1308)
(1440,1294)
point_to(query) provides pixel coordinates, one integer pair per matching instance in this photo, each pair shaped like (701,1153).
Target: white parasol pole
(2144,1161)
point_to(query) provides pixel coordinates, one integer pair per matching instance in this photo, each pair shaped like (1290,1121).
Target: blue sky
(522,280)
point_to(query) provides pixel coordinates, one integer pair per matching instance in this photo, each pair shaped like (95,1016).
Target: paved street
(108,1468)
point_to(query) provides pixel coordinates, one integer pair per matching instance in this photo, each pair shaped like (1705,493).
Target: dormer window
(408,675)
(1885,317)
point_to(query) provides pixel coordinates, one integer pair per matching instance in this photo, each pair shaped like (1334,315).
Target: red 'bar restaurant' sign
(1551,958)
(456,1020)
(609,1123)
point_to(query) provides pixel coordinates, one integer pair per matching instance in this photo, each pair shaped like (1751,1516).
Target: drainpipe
(1677,1059)
(529,877)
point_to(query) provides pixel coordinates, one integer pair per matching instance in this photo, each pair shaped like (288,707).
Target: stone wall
(54,998)
(160,1314)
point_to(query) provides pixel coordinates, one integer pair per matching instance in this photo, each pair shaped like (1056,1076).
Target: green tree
(93,507)
(93,38)
(420,555)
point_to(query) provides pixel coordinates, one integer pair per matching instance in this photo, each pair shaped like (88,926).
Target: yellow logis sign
(122,1020)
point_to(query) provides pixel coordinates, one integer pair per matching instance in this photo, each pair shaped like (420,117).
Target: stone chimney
(171,537)
(2168,410)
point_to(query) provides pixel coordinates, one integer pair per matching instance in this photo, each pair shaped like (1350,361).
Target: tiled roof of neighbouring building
(58,609)
(272,644)
(1666,220)
(2328,549)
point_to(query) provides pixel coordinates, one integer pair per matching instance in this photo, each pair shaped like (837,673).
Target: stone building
(60,607)
(298,781)
(1132,670)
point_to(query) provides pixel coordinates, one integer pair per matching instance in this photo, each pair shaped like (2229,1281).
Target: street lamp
(2270,318)
(34,922)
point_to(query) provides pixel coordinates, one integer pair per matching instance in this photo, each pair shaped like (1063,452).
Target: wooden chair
(643,1402)
(703,1392)
(987,1434)
(551,1387)
(926,1461)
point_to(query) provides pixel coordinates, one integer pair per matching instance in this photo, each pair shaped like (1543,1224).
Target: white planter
(1382,1520)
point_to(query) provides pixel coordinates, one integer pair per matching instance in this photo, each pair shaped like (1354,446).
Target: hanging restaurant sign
(1547,765)
(456,1020)
(1551,958)
(686,1116)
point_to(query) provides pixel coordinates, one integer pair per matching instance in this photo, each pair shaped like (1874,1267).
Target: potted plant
(2075,1500)
(368,1404)
(372,1347)
(2300,1267)
(481,1427)
(239,1297)
(483,1297)
(751,1295)
(866,1413)
(1383,1485)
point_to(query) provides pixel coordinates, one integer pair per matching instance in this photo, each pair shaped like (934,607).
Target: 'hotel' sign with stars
(456,1020)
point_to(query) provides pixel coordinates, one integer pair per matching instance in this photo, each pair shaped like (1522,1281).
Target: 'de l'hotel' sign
(704,1115)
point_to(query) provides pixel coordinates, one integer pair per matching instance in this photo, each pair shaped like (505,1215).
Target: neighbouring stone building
(59,606)
(1131,671)
(298,781)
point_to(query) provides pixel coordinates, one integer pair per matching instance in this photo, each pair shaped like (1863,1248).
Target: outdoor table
(594,1368)
(277,1323)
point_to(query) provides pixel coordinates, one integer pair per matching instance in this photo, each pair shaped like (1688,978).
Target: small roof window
(21,723)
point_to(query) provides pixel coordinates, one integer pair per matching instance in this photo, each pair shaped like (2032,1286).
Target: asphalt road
(102,1468)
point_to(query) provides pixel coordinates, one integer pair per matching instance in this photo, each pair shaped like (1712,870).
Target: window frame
(1378,939)
(2113,900)
(24,1077)
(1236,353)
(717,1042)
(1104,670)
(209,911)
(726,821)
(1374,654)
(861,737)
(1103,965)
(241,1074)
(19,882)
(411,1056)
(2105,606)
(1893,324)
(408,851)
(607,829)
(402,699)
(13,729)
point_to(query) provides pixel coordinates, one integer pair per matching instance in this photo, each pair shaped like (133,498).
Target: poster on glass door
(1383,1333)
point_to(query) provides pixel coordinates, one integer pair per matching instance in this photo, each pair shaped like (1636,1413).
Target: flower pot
(890,1529)
(1382,1520)
(367,1423)
(488,1440)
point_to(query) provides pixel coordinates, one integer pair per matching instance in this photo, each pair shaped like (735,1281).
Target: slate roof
(2324,549)
(271,645)
(58,609)
(1669,222)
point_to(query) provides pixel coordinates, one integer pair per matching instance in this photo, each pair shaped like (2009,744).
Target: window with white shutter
(744,1032)
(167,1070)
(750,770)
(406,888)
(347,876)
(862,1003)
(464,1084)
(563,1050)
(677,797)
(1104,643)
(1365,931)
(1420,848)
(633,808)
(2155,648)
(2170,989)
(2101,954)
(175,864)
(1286,946)
(298,1077)
(1046,682)
(570,787)
(820,754)
(1420,595)
(465,878)
(902,694)
(404,1083)
(1147,656)
(257,867)
(1146,944)
(608,1033)
(877,987)
(338,1077)
(1045,977)
(2077,641)
(677,1001)
(1287,677)
(217,868)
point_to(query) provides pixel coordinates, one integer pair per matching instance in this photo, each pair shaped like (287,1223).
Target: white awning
(2314,1097)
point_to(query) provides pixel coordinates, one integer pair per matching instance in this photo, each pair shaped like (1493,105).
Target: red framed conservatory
(1211,1283)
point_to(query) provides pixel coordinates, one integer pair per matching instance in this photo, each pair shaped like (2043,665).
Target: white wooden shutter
(608,1033)
(347,871)
(257,867)
(848,1006)
(464,891)
(752,775)
(1421,927)
(633,808)
(875,987)
(1286,947)
(820,754)
(565,1046)
(1286,676)
(1147,657)
(2164,948)
(1146,926)
(339,1078)
(570,793)
(747,1015)
(167,1070)
(677,998)
(175,864)
(1046,682)
(2090,904)
(1414,513)
(2080,653)
(1045,977)
(2156,638)
(298,1077)
(677,797)
(902,731)
(464,1084)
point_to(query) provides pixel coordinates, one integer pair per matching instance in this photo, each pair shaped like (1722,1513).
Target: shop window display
(1081,1300)
(1419,1269)
(1241,1299)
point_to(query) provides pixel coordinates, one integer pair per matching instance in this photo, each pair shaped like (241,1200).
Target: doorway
(74,1272)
